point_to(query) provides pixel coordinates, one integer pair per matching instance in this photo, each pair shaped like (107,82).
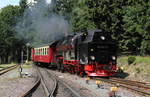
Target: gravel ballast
(11,85)
(104,91)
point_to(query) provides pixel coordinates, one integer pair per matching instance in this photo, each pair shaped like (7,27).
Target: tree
(137,26)
(23,6)
(8,20)
(77,13)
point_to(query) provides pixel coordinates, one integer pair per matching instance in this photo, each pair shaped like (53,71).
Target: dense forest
(127,20)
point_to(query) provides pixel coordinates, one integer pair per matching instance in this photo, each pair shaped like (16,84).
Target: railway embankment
(139,70)
(13,85)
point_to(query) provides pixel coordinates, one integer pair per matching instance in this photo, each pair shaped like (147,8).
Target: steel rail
(129,80)
(66,85)
(132,83)
(29,92)
(42,82)
(55,86)
(127,85)
(4,70)
(48,92)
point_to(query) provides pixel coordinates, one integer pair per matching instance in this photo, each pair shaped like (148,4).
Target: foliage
(23,6)
(127,20)
(137,26)
(8,40)
(139,60)
(137,70)
(6,65)
(131,59)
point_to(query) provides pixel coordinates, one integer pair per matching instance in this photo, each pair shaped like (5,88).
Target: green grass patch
(139,60)
(26,66)
(6,65)
(140,66)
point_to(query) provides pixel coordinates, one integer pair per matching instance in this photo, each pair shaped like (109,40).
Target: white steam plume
(40,25)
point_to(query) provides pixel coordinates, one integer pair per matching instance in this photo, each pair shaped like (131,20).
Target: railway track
(4,70)
(55,87)
(64,88)
(48,82)
(139,87)
(31,89)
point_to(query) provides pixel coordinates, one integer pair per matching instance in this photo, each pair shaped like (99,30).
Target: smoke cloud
(40,25)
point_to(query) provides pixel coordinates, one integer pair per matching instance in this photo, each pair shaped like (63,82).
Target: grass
(6,65)
(26,66)
(11,64)
(139,60)
(140,69)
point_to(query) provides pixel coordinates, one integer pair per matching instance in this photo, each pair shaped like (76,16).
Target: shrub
(131,59)
(137,70)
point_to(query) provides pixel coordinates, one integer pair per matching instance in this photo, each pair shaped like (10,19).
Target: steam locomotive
(92,53)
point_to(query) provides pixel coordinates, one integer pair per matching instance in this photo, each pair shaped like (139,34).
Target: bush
(137,70)
(131,59)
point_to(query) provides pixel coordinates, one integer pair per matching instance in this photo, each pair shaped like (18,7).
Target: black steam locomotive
(91,53)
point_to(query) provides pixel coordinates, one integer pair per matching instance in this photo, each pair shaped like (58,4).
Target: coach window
(39,52)
(47,51)
(36,51)
(43,51)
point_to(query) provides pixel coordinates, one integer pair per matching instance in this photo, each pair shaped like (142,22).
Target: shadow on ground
(122,75)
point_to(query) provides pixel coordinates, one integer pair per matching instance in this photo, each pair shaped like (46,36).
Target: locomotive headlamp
(113,57)
(92,57)
(92,49)
(102,37)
